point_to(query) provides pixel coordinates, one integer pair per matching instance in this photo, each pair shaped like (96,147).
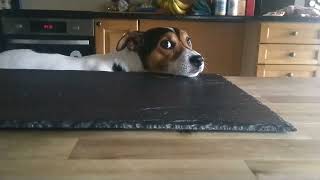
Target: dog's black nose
(196,60)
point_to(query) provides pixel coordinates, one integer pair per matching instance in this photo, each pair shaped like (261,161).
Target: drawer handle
(292,54)
(294,33)
(290,74)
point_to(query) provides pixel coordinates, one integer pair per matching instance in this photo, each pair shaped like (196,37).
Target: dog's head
(164,50)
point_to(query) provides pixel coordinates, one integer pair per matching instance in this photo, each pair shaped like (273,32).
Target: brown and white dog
(160,50)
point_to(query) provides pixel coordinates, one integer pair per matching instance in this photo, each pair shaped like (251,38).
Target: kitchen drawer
(288,54)
(295,33)
(305,71)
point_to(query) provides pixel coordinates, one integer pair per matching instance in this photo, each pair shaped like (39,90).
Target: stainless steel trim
(53,42)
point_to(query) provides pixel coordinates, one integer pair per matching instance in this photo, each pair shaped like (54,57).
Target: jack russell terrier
(160,50)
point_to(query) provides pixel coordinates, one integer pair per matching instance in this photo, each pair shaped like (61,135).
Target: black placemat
(101,100)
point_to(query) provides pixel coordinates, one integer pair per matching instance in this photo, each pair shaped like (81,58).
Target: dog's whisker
(205,65)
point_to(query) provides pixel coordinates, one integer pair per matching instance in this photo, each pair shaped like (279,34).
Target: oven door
(68,47)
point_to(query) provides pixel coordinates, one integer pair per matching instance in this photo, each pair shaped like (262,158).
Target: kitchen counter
(87,14)
(162,155)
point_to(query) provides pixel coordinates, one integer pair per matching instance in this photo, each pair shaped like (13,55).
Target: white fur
(182,65)
(27,59)
(128,60)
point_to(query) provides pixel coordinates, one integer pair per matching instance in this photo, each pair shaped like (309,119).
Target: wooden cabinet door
(220,43)
(108,32)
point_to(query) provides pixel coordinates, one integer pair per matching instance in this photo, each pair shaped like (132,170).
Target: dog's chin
(195,72)
(192,73)
(184,69)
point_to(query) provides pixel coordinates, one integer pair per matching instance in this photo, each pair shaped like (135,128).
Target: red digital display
(48,26)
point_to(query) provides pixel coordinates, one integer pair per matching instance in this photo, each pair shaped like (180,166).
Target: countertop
(96,15)
(29,155)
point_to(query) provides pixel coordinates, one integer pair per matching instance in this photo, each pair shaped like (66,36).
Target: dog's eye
(166,44)
(189,41)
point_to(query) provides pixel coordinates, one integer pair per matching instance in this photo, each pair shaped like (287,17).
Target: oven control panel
(48,27)
(43,26)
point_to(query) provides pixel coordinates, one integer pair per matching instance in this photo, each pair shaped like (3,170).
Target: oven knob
(76,28)
(76,53)
(19,26)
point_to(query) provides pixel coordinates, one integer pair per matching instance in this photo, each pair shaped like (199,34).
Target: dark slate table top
(104,100)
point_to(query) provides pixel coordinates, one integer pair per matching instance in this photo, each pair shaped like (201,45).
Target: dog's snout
(196,60)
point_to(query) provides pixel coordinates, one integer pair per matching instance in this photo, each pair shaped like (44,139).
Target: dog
(160,50)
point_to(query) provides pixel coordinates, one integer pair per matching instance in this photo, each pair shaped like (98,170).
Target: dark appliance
(15,4)
(265,6)
(72,37)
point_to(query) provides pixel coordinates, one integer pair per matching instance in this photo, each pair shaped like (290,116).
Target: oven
(71,37)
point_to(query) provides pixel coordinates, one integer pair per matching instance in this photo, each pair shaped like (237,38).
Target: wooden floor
(83,155)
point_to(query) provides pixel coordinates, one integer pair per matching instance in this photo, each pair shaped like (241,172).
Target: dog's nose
(196,60)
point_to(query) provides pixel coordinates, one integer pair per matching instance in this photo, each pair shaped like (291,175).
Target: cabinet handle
(317,56)
(99,23)
(290,74)
(292,54)
(294,33)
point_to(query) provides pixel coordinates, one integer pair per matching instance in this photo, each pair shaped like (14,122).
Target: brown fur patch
(131,40)
(159,59)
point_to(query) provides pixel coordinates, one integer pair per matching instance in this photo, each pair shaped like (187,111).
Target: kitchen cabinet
(281,49)
(221,43)
(108,32)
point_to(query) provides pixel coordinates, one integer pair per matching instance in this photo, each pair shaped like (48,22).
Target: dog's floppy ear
(131,40)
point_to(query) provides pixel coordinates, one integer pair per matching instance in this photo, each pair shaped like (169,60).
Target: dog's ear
(131,40)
